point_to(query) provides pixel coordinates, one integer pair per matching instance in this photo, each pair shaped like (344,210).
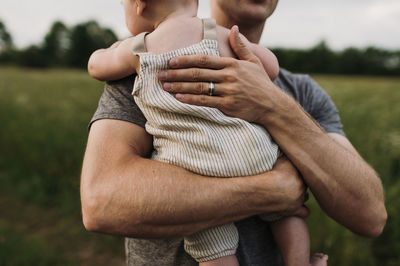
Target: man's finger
(190,74)
(201,61)
(200,100)
(191,88)
(302,212)
(239,46)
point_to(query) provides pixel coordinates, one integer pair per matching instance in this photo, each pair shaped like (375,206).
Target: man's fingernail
(162,74)
(179,97)
(173,62)
(167,86)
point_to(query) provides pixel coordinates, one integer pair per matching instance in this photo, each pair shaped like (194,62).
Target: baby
(200,139)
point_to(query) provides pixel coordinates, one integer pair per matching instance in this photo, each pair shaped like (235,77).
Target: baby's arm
(116,62)
(267,58)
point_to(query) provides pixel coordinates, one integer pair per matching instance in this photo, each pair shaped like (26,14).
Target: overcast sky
(296,23)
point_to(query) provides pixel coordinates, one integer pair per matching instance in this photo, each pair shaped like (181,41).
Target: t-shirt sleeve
(321,107)
(117,102)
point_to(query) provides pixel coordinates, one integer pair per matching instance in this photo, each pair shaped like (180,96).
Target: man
(126,194)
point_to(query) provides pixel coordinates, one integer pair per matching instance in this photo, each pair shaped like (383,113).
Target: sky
(295,23)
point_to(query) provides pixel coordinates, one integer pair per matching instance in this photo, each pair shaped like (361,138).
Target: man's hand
(291,187)
(242,87)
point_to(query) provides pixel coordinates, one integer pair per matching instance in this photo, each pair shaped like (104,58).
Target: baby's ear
(141,5)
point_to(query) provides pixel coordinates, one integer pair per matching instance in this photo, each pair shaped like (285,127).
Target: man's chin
(259,10)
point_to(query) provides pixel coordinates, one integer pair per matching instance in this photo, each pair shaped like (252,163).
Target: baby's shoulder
(223,42)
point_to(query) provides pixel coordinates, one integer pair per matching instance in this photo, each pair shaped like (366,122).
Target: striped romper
(200,139)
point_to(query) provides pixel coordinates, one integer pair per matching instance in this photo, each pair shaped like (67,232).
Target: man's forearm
(153,199)
(125,194)
(345,186)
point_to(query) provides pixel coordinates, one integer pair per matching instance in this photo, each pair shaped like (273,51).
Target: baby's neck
(175,26)
(179,13)
(174,33)
(173,18)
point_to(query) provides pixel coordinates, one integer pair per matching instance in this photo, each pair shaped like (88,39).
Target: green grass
(370,110)
(44,116)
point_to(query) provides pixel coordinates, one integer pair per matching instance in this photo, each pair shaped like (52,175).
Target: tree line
(350,61)
(62,46)
(71,47)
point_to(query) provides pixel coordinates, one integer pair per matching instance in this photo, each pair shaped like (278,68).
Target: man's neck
(252,31)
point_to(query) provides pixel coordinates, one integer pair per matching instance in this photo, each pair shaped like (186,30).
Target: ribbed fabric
(213,243)
(200,139)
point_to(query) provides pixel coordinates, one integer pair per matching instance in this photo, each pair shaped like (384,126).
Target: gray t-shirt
(256,245)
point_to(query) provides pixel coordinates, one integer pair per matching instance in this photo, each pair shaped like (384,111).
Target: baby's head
(145,15)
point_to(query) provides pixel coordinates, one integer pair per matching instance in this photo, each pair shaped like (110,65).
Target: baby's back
(200,139)
(183,32)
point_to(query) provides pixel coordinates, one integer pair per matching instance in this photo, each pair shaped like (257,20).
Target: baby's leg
(291,235)
(214,246)
(230,260)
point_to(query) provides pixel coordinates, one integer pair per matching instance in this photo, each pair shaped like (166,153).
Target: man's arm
(125,194)
(345,186)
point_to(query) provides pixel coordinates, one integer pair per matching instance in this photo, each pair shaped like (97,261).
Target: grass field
(44,116)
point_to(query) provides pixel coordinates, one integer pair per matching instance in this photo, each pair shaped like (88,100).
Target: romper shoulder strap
(209,29)
(138,43)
